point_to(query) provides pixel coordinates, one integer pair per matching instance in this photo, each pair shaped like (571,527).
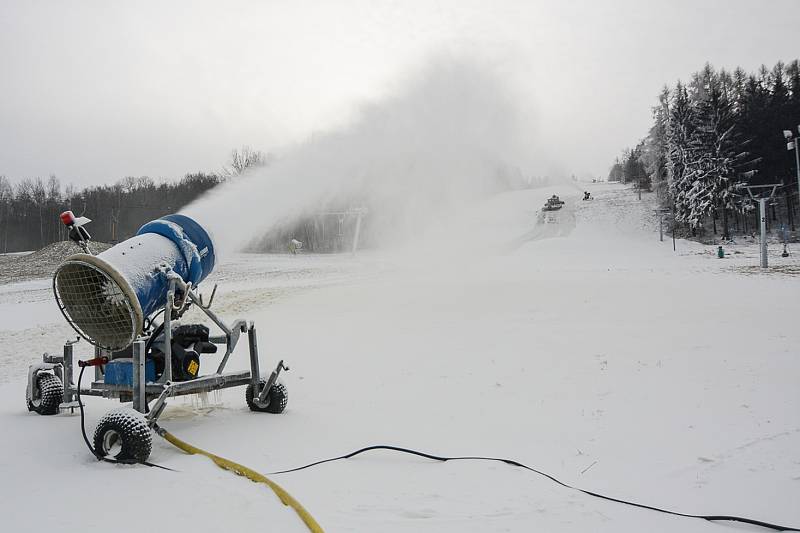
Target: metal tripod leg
(262,396)
(139,377)
(255,372)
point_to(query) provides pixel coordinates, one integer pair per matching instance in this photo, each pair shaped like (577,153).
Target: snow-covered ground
(581,346)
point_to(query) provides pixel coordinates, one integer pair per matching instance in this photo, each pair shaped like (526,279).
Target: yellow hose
(250,474)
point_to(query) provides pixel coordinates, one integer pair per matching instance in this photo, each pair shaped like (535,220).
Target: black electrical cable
(83,416)
(148,321)
(511,462)
(152,338)
(96,453)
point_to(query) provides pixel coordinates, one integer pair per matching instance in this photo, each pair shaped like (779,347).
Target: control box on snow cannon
(106,297)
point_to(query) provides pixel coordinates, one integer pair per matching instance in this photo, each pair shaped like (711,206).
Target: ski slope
(587,349)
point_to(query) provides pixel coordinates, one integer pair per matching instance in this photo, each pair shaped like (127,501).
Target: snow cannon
(106,297)
(128,302)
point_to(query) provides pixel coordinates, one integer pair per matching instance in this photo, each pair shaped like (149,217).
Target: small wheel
(51,394)
(277,398)
(124,435)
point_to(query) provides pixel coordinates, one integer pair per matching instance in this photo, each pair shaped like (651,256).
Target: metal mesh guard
(95,305)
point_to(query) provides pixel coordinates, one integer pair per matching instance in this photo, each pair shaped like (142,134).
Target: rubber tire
(277,398)
(130,431)
(51,394)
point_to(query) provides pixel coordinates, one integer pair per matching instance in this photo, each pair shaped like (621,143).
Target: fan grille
(95,305)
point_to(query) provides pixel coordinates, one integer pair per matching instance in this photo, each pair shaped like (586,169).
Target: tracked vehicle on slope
(554,203)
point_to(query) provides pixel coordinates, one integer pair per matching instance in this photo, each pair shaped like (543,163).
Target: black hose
(149,343)
(148,321)
(83,421)
(511,462)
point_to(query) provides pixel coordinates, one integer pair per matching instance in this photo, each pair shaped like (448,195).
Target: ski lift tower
(341,216)
(762,197)
(359,213)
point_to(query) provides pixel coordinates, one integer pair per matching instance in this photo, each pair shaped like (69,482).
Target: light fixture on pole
(793,143)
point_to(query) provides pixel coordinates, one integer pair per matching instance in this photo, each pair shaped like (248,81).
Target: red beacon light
(77,232)
(68,218)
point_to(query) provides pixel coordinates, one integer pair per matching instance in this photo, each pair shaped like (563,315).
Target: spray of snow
(447,136)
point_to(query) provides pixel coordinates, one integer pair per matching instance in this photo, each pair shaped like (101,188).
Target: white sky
(95,91)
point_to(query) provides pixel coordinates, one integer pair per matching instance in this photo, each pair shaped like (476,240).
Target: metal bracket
(67,360)
(159,405)
(184,302)
(31,390)
(261,400)
(206,306)
(231,340)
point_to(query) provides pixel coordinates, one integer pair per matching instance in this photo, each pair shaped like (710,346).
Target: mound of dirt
(41,263)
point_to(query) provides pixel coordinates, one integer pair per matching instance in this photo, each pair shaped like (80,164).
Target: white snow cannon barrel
(106,297)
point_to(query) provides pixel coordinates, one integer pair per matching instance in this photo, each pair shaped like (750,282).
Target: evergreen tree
(615,174)
(721,129)
(719,154)
(680,130)
(793,77)
(654,153)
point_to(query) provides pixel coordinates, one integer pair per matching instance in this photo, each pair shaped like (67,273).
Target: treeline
(711,136)
(29,209)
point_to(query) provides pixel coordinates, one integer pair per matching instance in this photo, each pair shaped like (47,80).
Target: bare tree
(244,159)
(128,184)
(25,190)
(51,209)
(29,209)
(70,192)
(6,197)
(53,189)
(39,194)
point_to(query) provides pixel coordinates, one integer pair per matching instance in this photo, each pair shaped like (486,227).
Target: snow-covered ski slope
(587,349)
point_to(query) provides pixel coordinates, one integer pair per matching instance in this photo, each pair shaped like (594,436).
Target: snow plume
(450,135)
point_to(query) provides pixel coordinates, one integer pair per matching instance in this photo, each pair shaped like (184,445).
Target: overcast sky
(95,91)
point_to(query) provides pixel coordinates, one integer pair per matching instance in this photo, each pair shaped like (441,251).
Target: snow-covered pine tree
(717,152)
(680,129)
(615,174)
(698,176)
(633,170)
(654,151)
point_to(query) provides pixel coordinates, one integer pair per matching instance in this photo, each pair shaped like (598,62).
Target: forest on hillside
(713,135)
(30,208)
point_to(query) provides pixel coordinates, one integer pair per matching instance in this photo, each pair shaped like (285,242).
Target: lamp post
(793,143)
(661,212)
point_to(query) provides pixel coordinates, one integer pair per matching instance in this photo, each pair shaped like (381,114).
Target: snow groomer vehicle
(553,203)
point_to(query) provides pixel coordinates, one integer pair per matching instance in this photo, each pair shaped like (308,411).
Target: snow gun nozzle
(93,362)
